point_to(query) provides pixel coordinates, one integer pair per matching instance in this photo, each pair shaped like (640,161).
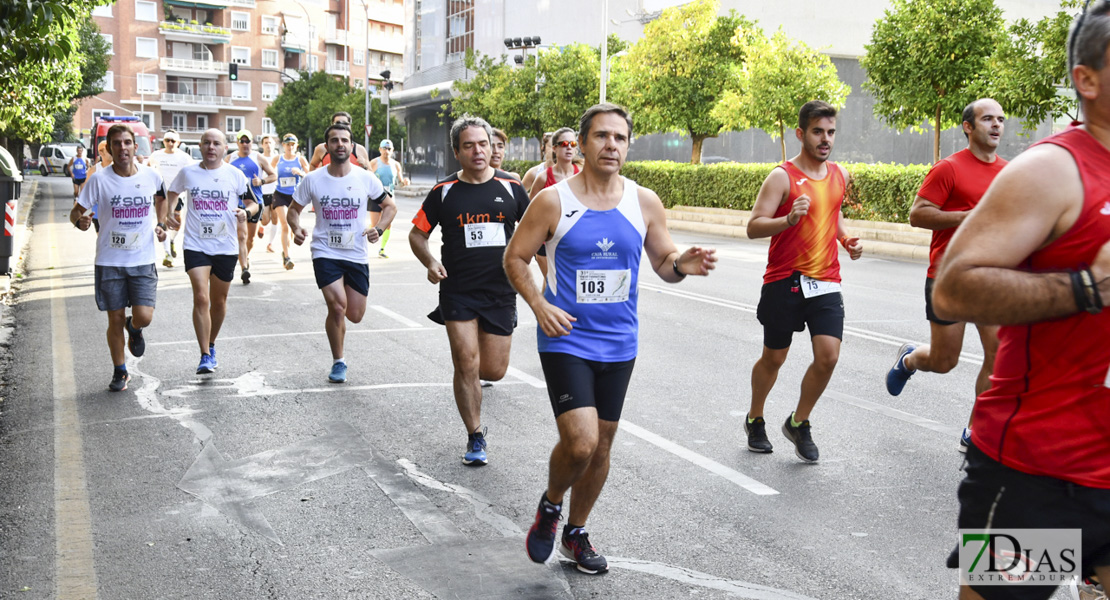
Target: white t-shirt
(169,165)
(268,188)
(210,223)
(341,214)
(127,215)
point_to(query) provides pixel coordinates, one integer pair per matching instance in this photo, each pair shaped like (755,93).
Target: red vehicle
(144,142)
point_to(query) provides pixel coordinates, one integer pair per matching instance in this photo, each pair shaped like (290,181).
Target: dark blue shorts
(355,275)
(223,265)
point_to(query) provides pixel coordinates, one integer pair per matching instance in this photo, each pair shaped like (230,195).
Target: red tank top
(810,245)
(551,176)
(1048,409)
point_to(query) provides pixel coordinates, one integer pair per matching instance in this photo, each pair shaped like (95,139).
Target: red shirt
(551,176)
(956,183)
(810,245)
(1048,409)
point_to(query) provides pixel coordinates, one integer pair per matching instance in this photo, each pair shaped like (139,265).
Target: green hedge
(878,192)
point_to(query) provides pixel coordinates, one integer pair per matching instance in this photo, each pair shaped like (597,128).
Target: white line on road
(396,317)
(704,462)
(895,413)
(526,378)
(296,334)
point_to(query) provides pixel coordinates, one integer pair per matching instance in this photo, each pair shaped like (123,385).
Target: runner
(1034,258)
(546,160)
(388,170)
(951,189)
(212,220)
(125,273)
(269,155)
(587,317)
(799,208)
(78,170)
(105,161)
(290,167)
(477,209)
(258,172)
(169,161)
(340,194)
(320,156)
(565,149)
(497,152)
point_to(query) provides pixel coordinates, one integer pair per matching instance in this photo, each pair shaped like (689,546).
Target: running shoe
(261,231)
(757,435)
(965,439)
(382,254)
(540,542)
(484,383)
(207,364)
(168,261)
(119,380)
(577,546)
(135,342)
(246,277)
(212,353)
(270,248)
(476,449)
(287,262)
(898,375)
(1086,590)
(338,373)
(173,251)
(802,440)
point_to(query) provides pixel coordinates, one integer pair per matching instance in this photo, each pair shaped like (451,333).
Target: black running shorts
(929,314)
(496,313)
(355,275)
(783,310)
(223,265)
(282,199)
(574,382)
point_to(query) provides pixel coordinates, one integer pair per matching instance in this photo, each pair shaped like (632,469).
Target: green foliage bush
(878,192)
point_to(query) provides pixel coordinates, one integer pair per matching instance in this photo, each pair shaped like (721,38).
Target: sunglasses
(567,144)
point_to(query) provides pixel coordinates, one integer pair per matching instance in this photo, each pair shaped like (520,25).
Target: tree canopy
(304,107)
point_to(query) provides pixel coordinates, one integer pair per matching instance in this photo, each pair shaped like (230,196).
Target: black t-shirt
(477,221)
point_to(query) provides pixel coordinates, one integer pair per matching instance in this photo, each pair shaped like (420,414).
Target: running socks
(338,360)
(794,423)
(385,238)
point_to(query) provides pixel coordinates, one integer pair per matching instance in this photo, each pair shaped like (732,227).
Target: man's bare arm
(772,193)
(927,215)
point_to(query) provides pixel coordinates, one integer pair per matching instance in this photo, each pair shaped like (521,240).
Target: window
(97,114)
(146,11)
(206,87)
(178,121)
(240,21)
(314,63)
(202,122)
(268,127)
(108,84)
(147,83)
(269,91)
(241,55)
(270,25)
(240,90)
(270,59)
(233,124)
(359,58)
(108,38)
(147,118)
(146,48)
(102,11)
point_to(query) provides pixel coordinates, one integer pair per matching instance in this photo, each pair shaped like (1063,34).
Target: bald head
(213,146)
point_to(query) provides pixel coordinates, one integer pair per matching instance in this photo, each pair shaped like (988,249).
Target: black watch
(162,225)
(379,230)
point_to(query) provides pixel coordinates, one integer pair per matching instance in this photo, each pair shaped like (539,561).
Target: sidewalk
(26,201)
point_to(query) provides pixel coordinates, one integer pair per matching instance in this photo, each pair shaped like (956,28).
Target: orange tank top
(809,246)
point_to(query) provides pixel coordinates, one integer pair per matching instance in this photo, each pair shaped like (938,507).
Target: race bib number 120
(122,240)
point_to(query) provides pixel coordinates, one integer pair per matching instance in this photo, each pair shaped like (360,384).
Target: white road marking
(396,317)
(882,409)
(291,334)
(526,378)
(704,462)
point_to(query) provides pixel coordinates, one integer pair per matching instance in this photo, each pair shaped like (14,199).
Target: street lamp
(366,85)
(386,88)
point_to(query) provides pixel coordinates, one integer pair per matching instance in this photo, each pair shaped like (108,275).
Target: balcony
(242,3)
(293,42)
(393,44)
(200,3)
(337,67)
(193,68)
(190,32)
(194,103)
(337,37)
(387,13)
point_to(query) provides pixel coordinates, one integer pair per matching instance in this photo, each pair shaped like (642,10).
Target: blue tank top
(592,274)
(249,166)
(285,173)
(385,174)
(80,168)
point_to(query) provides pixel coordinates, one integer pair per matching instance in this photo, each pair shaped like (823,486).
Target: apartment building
(170,58)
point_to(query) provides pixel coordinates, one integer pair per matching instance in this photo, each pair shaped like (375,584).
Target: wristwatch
(379,230)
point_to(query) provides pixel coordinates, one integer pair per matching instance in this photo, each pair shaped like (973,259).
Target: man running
(497,152)
(258,172)
(291,167)
(125,273)
(477,209)
(269,155)
(587,317)
(388,170)
(951,189)
(169,161)
(340,193)
(1034,258)
(320,156)
(211,242)
(78,170)
(798,206)
(546,160)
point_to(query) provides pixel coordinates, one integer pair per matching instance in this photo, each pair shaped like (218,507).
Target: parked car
(54,159)
(144,143)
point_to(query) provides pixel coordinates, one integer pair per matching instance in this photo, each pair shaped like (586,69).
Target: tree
(675,75)
(505,96)
(778,77)
(924,57)
(571,78)
(95,51)
(305,107)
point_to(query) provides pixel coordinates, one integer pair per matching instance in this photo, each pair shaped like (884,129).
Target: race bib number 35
(480,235)
(595,286)
(811,288)
(210,230)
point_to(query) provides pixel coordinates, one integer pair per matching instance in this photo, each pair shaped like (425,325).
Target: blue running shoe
(577,547)
(540,542)
(965,439)
(898,375)
(476,449)
(338,373)
(207,364)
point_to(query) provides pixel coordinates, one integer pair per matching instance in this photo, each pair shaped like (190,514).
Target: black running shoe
(802,440)
(757,435)
(135,342)
(578,547)
(541,537)
(246,276)
(120,378)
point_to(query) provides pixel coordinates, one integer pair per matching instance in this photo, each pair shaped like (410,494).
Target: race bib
(811,288)
(123,240)
(287,182)
(210,230)
(480,235)
(341,240)
(596,286)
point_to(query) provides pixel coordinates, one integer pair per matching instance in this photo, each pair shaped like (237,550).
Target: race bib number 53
(481,235)
(596,286)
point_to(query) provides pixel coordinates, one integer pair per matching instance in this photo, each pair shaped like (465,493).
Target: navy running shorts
(223,265)
(355,275)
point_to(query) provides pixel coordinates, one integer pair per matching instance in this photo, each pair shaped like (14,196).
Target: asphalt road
(266,481)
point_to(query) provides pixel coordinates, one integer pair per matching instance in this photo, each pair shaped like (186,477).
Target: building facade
(170,59)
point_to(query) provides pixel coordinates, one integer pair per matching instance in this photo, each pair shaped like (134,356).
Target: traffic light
(233,71)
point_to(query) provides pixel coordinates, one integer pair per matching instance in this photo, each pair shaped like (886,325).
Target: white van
(54,158)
